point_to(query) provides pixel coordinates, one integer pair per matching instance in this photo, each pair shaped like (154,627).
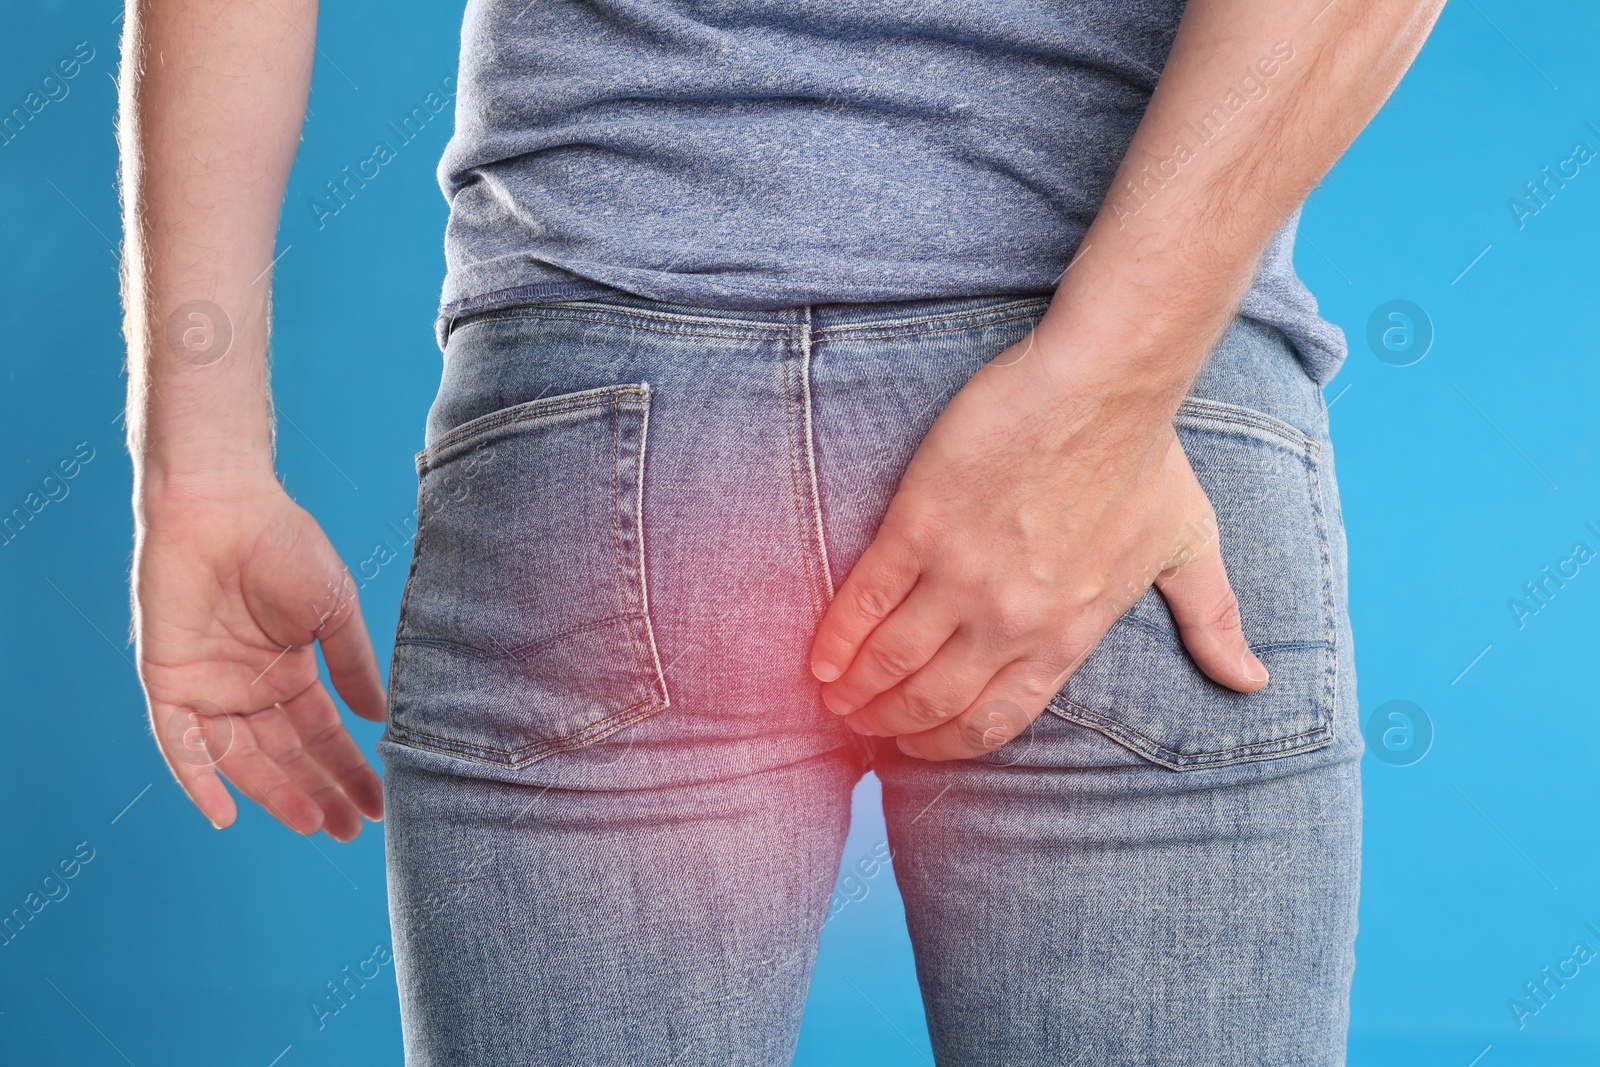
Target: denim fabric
(726,154)
(616,806)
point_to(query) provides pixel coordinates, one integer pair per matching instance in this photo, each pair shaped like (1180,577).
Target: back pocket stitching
(1330,662)
(628,596)
(657,697)
(644,574)
(530,410)
(521,757)
(518,650)
(1209,413)
(1067,709)
(1202,410)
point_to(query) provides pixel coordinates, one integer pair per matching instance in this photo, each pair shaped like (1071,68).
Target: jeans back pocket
(1140,687)
(525,625)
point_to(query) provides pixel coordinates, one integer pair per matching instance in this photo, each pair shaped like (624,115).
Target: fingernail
(825,671)
(836,704)
(216,824)
(1254,670)
(860,727)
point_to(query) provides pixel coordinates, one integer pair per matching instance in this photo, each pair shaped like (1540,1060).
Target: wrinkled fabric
(616,806)
(764,155)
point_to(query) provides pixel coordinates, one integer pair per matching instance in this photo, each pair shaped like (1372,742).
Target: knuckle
(1038,680)
(923,709)
(872,601)
(892,660)
(323,734)
(918,537)
(1086,594)
(1069,648)
(1002,720)
(979,735)
(1223,612)
(1012,619)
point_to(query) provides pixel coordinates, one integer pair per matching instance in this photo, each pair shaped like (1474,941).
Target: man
(923,387)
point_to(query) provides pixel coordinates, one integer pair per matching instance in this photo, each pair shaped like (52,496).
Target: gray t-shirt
(755,154)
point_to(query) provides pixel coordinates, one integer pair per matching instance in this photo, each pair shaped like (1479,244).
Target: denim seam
(809,431)
(1150,628)
(619,545)
(819,561)
(631,318)
(1306,740)
(501,654)
(1201,409)
(526,411)
(667,312)
(794,399)
(1330,668)
(630,580)
(528,753)
(950,322)
(743,329)
(396,661)
(644,579)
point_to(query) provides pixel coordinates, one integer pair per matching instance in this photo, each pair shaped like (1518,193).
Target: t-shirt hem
(1320,343)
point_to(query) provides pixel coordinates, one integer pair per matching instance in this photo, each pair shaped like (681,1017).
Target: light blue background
(1463,475)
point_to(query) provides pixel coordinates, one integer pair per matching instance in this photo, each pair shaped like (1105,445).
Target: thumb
(1207,613)
(347,648)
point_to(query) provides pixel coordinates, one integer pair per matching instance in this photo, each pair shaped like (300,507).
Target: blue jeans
(616,805)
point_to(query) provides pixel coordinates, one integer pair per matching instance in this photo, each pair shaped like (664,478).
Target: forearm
(213,96)
(1257,101)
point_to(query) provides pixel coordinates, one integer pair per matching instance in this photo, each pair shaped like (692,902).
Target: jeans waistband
(874,319)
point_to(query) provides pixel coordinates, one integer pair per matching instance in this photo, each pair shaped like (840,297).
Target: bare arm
(213,95)
(981,590)
(1180,234)
(232,582)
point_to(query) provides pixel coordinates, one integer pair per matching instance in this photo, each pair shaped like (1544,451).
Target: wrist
(163,486)
(1137,345)
(1128,374)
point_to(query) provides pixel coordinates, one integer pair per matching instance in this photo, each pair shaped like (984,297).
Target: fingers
(878,582)
(259,777)
(901,644)
(277,738)
(942,689)
(1207,614)
(316,725)
(184,739)
(321,759)
(1011,700)
(295,759)
(352,663)
(201,739)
